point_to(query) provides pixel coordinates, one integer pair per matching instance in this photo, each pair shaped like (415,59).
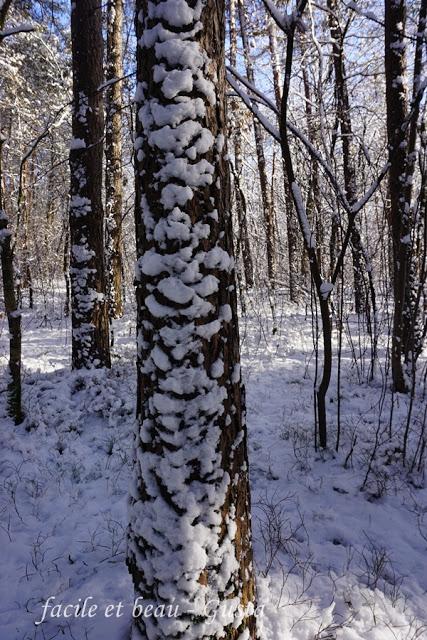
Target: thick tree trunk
(12,311)
(66,269)
(4,8)
(268,209)
(189,533)
(90,327)
(396,99)
(113,157)
(413,316)
(10,295)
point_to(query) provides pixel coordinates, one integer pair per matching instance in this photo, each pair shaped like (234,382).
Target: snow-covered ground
(332,560)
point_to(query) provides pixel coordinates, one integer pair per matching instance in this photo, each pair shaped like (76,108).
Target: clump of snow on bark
(183,414)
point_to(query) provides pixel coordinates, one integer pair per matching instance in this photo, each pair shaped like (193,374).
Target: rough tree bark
(10,296)
(4,8)
(396,100)
(90,326)
(189,533)
(113,157)
(11,307)
(414,206)
(66,269)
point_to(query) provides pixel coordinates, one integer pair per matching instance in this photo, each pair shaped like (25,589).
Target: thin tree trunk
(90,326)
(12,311)
(113,157)
(189,533)
(268,208)
(291,231)
(362,305)
(238,165)
(50,204)
(24,208)
(323,289)
(314,212)
(344,119)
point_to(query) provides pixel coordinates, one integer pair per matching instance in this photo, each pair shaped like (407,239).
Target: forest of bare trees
(213,241)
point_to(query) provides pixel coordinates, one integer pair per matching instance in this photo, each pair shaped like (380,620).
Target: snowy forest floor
(333,562)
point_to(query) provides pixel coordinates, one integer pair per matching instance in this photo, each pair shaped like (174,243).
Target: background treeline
(327,153)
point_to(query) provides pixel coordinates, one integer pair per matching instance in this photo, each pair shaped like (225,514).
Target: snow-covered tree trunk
(396,97)
(414,318)
(66,269)
(11,307)
(90,327)
(189,532)
(113,157)
(13,313)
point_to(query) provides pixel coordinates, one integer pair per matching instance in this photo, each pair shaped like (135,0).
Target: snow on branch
(370,15)
(250,102)
(292,128)
(264,99)
(287,22)
(282,19)
(22,28)
(393,148)
(273,131)
(373,17)
(251,105)
(113,81)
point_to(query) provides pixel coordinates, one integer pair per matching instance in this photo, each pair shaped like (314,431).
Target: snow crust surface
(351,566)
